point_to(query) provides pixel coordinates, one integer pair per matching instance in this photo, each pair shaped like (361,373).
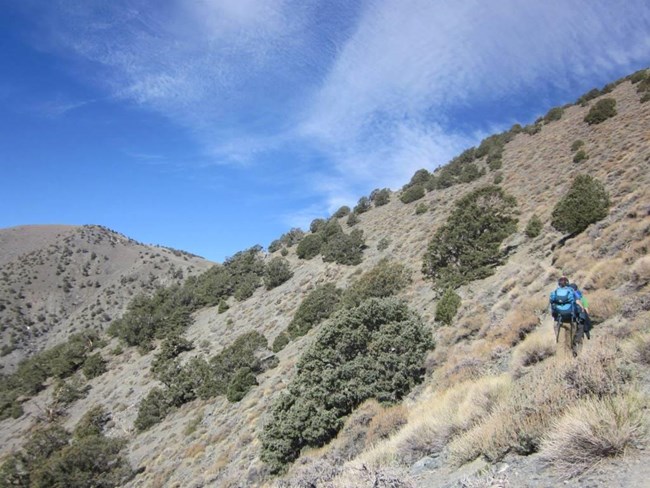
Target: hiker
(583,309)
(565,311)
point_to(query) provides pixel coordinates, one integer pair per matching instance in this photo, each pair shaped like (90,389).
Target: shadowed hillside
(399,345)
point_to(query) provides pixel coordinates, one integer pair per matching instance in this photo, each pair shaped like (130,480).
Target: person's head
(574,286)
(563,281)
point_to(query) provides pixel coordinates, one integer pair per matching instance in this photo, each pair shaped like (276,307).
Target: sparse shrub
(412,193)
(363,205)
(383,244)
(534,227)
(380,197)
(498,178)
(94,366)
(310,246)
(342,212)
(494,163)
(223,306)
(580,156)
(353,219)
(284,252)
(532,129)
(577,144)
(280,342)
(601,111)
(466,248)
(645,97)
(421,208)
(386,422)
(372,351)
(586,202)
(277,272)
(419,178)
(316,307)
(554,114)
(447,307)
(385,279)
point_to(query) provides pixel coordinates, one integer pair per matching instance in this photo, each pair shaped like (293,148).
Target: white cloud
(251,76)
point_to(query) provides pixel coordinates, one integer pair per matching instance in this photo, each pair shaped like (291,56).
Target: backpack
(563,301)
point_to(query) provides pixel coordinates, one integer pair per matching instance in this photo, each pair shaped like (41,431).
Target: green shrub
(466,248)
(67,392)
(94,366)
(580,156)
(353,220)
(385,279)
(380,197)
(587,97)
(275,245)
(376,350)
(645,98)
(532,129)
(412,193)
(638,76)
(310,246)
(447,307)
(321,302)
(554,114)
(280,342)
(577,144)
(223,306)
(344,248)
(534,227)
(170,348)
(586,202)
(498,178)
(277,272)
(92,423)
(421,208)
(494,163)
(240,384)
(383,244)
(152,409)
(601,111)
(419,178)
(341,212)
(362,206)
(470,172)
(317,225)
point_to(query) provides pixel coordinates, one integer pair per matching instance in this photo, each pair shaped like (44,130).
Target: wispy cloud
(373,92)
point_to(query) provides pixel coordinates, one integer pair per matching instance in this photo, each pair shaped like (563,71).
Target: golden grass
(385,423)
(594,429)
(606,273)
(536,399)
(539,345)
(437,418)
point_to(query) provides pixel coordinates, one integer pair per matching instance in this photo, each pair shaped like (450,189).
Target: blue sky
(214,125)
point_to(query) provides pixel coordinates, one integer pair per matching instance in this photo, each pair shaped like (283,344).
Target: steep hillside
(496,393)
(57,280)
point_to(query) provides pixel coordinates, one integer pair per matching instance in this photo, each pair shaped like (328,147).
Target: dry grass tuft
(603,304)
(607,273)
(536,399)
(368,477)
(386,423)
(595,429)
(641,352)
(640,271)
(537,347)
(437,419)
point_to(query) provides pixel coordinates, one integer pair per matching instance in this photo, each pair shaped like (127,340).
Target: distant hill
(492,400)
(58,279)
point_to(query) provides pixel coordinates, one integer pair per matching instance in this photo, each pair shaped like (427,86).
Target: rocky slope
(499,346)
(56,280)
